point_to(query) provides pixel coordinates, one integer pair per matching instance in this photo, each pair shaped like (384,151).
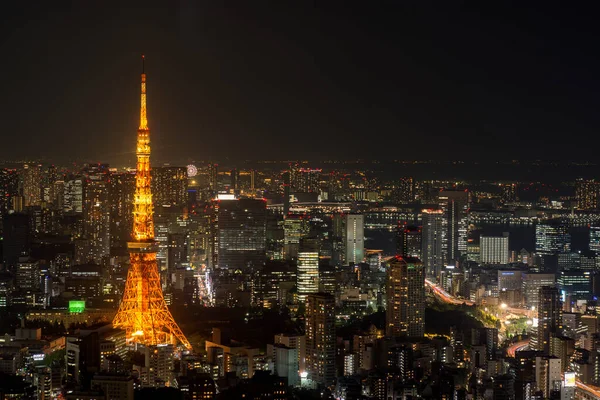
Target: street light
(503,306)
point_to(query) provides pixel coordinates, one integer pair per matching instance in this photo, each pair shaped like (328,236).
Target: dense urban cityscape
(285,280)
(378,202)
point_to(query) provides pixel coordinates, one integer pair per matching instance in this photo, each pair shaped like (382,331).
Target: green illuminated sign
(76,306)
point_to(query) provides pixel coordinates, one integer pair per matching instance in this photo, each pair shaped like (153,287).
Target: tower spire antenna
(143,60)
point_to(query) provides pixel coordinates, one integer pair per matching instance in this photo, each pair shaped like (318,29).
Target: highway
(445,296)
(516,347)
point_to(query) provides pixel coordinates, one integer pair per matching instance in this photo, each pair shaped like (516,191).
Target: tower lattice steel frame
(143,313)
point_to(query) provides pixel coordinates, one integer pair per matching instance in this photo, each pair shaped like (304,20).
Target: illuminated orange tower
(143,313)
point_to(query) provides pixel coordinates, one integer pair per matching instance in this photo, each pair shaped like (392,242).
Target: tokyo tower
(143,313)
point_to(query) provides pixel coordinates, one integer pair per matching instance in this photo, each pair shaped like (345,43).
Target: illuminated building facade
(32,184)
(586,194)
(431,252)
(308,268)
(9,189)
(295,227)
(320,338)
(552,237)
(355,238)
(143,313)
(494,249)
(240,237)
(410,241)
(96,213)
(454,205)
(549,313)
(405,294)
(595,239)
(169,186)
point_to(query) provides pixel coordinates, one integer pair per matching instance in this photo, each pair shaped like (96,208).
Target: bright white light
(303,374)
(529,322)
(503,306)
(506,322)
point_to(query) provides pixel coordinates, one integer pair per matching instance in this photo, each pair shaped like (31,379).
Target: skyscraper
(143,312)
(454,205)
(586,194)
(405,293)
(494,249)
(32,184)
(320,338)
(410,240)
(96,212)
(432,242)
(240,233)
(549,312)
(552,237)
(308,268)
(169,185)
(355,238)
(295,227)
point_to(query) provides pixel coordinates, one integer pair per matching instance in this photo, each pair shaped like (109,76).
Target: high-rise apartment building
(494,249)
(586,194)
(304,180)
(355,238)
(169,186)
(240,233)
(549,311)
(320,338)
(431,252)
(405,294)
(32,184)
(454,205)
(308,268)
(548,375)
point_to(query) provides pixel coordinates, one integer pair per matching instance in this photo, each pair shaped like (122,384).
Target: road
(445,296)
(516,347)
(590,390)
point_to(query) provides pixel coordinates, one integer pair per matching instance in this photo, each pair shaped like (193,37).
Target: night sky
(297,79)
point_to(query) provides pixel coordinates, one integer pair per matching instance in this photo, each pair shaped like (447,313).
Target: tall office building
(295,227)
(240,236)
(532,283)
(96,212)
(405,293)
(549,311)
(32,184)
(308,268)
(552,237)
(595,239)
(494,249)
(169,186)
(320,338)
(355,238)
(410,240)
(454,205)
(586,194)
(432,242)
